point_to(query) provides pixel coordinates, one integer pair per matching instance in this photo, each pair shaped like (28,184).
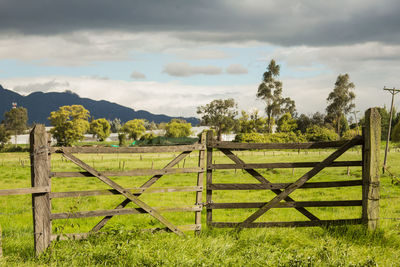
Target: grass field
(121,243)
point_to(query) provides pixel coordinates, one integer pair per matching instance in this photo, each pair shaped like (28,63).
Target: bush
(350,134)
(178,128)
(316,133)
(289,137)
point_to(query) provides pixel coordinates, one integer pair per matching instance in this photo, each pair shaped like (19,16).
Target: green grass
(121,243)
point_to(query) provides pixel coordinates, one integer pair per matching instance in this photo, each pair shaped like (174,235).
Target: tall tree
(15,121)
(220,115)
(178,128)
(340,100)
(4,135)
(270,90)
(134,129)
(100,128)
(70,124)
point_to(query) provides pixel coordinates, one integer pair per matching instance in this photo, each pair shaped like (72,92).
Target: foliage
(148,136)
(396,133)
(289,137)
(115,125)
(286,123)
(100,128)
(178,128)
(134,129)
(15,121)
(4,135)
(122,139)
(150,126)
(270,90)
(70,124)
(251,123)
(317,133)
(167,141)
(340,101)
(350,134)
(219,114)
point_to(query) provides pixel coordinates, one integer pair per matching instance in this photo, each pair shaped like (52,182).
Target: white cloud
(183,69)
(236,69)
(138,75)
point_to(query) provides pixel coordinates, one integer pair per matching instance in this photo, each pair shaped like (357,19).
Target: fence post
(371,149)
(200,176)
(209,142)
(40,176)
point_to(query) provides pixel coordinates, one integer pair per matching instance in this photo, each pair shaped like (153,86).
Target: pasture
(122,243)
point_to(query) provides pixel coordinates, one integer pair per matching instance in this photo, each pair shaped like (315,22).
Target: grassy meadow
(121,243)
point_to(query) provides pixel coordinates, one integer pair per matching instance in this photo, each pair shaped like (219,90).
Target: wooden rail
(282,165)
(120,150)
(24,191)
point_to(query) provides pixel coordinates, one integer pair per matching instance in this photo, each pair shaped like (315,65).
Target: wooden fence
(369,183)
(41,175)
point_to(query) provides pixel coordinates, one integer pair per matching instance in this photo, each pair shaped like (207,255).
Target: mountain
(39,106)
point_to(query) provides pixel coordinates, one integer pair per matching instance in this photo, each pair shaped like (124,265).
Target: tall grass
(121,242)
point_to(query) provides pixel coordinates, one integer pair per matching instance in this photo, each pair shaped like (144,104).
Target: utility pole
(393,91)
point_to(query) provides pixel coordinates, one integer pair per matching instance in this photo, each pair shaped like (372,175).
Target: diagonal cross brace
(262,179)
(302,180)
(124,192)
(146,185)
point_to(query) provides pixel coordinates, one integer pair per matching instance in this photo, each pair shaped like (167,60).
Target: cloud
(190,54)
(236,69)
(138,75)
(285,22)
(182,69)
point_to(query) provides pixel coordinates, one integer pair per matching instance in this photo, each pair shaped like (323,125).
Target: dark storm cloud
(280,22)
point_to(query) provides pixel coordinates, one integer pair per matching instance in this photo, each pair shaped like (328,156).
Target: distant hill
(39,106)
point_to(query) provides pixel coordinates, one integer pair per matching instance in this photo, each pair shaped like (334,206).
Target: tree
(134,129)
(270,90)
(317,133)
(340,101)
(100,128)
(219,114)
(4,135)
(251,123)
(15,121)
(286,123)
(70,124)
(115,125)
(178,128)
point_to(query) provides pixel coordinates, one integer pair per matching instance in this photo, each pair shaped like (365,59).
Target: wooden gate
(42,174)
(369,182)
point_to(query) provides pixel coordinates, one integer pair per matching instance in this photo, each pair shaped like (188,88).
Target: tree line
(281,114)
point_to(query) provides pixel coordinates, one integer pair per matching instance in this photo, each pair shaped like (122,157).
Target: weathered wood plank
(200,181)
(371,169)
(298,204)
(135,191)
(238,186)
(282,165)
(124,192)
(302,180)
(24,191)
(113,212)
(209,173)
(262,180)
(40,177)
(137,172)
(144,149)
(146,185)
(310,145)
(286,224)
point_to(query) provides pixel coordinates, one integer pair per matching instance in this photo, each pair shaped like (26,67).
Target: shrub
(316,133)
(178,128)
(289,137)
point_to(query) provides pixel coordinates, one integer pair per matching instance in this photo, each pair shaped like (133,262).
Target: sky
(172,56)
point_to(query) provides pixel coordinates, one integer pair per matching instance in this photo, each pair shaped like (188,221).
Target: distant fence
(41,174)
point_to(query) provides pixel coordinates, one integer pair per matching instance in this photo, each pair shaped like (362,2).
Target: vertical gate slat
(200,177)
(40,176)
(371,170)
(209,173)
